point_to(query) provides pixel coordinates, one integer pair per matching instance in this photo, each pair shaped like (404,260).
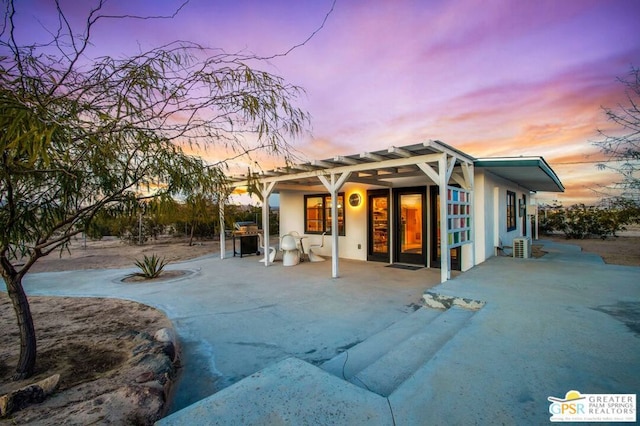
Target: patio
(564,321)
(236,316)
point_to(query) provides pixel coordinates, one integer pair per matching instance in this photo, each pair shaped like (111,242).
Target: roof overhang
(532,173)
(383,167)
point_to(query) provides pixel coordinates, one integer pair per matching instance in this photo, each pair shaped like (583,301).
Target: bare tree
(623,148)
(79,135)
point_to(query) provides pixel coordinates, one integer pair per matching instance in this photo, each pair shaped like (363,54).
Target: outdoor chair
(290,252)
(272,250)
(300,244)
(314,257)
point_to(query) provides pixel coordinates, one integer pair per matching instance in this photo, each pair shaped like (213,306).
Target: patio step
(383,362)
(290,392)
(381,372)
(351,362)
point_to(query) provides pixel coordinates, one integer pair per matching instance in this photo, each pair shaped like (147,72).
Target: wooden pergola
(439,163)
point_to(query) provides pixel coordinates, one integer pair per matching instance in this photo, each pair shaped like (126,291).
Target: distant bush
(130,231)
(580,221)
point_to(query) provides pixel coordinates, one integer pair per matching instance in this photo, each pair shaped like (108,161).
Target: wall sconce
(355,199)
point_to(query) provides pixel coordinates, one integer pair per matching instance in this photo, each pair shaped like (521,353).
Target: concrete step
(291,392)
(388,372)
(350,362)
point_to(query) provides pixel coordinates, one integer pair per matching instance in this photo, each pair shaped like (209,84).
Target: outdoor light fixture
(355,199)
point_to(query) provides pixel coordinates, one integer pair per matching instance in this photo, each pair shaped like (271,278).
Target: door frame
(371,256)
(398,256)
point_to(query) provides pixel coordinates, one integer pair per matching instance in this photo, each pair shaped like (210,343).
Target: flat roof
(388,166)
(532,173)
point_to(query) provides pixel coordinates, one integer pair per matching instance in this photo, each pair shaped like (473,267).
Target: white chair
(272,250)
(313,257)
(290,252)
(300,244)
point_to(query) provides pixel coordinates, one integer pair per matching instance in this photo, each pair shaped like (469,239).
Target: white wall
(491,213)
(351,246)
(490,210)
(291,212)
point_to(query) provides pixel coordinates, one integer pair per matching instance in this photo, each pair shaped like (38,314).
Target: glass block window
(458,217)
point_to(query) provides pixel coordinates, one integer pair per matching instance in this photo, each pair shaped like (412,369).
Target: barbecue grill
(247,235)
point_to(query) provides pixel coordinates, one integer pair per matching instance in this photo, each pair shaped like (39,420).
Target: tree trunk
(27,360)
(193,226)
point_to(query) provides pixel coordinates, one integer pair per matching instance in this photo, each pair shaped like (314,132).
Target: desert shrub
(204,229)
(551,220)
(129,229)
(150,267)
(580,221)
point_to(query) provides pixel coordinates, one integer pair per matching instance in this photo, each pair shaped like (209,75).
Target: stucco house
(408,205)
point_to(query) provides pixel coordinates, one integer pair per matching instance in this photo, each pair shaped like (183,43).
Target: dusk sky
(492,78)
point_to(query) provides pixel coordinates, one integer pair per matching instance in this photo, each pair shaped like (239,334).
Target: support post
(333,186)
(468,170)
(334,229)
(445,255)
(265,192)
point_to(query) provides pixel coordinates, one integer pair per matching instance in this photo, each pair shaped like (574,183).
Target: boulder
(165,335)
(31,394)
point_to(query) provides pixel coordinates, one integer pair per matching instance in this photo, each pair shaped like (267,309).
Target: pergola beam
(362,167)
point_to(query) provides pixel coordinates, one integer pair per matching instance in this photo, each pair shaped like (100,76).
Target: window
(317,214)
(458,216)
(511,211)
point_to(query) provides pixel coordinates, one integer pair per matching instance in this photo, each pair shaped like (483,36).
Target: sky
(491,78)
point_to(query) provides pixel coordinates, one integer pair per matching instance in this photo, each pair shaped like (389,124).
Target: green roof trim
(496,165)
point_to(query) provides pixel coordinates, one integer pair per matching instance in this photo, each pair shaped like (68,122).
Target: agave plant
(150,267)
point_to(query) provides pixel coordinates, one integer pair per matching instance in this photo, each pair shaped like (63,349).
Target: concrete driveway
(562,322)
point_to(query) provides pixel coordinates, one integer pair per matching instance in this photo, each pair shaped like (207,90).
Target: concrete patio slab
(561,322)
(235,316)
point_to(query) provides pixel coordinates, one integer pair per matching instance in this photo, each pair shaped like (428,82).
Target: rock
(34,393)
(169,350)
(170,347)
(165,335)
(145,377)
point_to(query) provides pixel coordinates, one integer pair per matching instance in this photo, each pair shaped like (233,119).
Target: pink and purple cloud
(495,77)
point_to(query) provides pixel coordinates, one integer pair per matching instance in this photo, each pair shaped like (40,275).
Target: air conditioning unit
(522,247)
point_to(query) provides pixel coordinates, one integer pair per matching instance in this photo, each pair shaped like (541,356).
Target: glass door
(378,215)
(410,226)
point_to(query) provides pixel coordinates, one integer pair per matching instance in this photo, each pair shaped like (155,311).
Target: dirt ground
(111,252)
(97,344)
(111,368)
(622,250)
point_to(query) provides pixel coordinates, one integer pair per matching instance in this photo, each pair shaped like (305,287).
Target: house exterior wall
(491,214)
(351,246)
(291,212)
(489,208)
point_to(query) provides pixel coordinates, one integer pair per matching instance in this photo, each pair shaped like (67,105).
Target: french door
(410,226)
(379,228)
